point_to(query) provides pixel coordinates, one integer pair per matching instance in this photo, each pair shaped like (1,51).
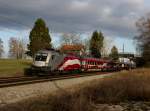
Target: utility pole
(123,50)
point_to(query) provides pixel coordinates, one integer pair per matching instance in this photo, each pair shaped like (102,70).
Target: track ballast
(14,81)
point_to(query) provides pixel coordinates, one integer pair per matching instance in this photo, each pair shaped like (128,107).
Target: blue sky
(116,19)
(129,45)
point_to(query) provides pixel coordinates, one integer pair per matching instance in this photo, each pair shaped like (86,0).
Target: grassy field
(132,86)
(12,67)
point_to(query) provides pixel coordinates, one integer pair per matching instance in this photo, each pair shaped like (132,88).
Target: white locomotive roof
(47,51)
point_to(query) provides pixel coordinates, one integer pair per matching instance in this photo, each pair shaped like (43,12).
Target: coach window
(83,63)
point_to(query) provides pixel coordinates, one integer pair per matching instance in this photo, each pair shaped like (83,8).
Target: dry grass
(127,86)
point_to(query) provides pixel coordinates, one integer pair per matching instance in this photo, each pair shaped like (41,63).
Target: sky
(115,18)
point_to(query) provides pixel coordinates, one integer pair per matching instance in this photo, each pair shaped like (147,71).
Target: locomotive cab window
(41,57)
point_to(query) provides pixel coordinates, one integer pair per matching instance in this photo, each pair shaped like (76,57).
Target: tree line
(40,38)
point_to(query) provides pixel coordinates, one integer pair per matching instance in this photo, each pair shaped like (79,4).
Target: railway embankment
(9,95)
(125,91)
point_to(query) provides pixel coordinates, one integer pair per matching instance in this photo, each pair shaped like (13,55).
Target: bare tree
(143,37)
(86,44)
(107,46)
(16,48)
(12,47)
(70,38)
(1,48)
(22,47)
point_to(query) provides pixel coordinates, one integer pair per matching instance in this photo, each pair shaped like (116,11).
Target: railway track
(14,81)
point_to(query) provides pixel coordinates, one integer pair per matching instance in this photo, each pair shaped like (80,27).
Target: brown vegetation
(127,86)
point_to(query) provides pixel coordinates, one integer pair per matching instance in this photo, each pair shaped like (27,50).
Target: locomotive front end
(42,63)
(41,59)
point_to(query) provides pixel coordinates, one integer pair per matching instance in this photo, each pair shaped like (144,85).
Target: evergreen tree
(39,37)
(114,53)
(96,44)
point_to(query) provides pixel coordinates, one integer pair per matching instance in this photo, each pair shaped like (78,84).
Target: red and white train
(48,61)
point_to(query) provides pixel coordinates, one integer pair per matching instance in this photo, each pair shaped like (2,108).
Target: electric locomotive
(50,61)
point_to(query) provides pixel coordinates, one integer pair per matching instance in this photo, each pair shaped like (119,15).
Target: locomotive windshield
(41,57)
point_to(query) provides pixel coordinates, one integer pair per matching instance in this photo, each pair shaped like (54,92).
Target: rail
(13,81)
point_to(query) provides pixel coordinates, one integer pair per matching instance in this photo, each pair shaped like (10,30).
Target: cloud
(115,18)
